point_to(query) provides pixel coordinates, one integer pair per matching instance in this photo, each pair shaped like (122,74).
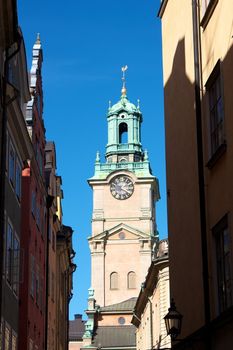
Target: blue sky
(85,44)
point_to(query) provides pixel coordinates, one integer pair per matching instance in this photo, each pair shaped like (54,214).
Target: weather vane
(124,69)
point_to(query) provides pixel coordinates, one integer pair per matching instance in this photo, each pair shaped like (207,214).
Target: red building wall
(34,224)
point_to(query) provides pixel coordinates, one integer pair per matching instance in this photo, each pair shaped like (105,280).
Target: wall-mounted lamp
(173,321)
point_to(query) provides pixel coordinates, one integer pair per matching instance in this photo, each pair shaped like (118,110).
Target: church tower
(123,219)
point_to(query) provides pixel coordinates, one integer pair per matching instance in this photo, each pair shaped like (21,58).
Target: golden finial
(123,90)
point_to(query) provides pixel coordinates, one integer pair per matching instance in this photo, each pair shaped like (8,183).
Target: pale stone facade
(109,251)
(152,305)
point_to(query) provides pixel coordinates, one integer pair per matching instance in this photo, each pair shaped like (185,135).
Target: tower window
(223,264)
(121,320)
(131,280)
(123,133)
(122,235)
(114,280)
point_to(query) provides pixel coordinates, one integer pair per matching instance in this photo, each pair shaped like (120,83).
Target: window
(18,180)
(208,5)
(207,8)
(131,280)
(9,250)
(12,262)
(205,4)
(40,161)
(32,289)
(223,262)
(37,285)
(30,344)
(216,113)
(121,320)
(14,342)
(38,104)
(122,235)
(114,280)
(38,216)
(7,338)
(123,133)
(15,266)
(33,203)
(12,165)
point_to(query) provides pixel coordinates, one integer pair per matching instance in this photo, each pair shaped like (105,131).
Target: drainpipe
(200,160)
(3,157)
(151,323)
(69,272)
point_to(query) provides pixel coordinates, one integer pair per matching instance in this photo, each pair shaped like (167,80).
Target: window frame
(8,254)
(16,258)
(32,274)
(18,179)
(131,284)
(207,11)
(123,133)
(116,282)
(7,327)
(215,108)
(223,264)
(38,216)
(33,203)
(37,285)
(14,336)
(11,162)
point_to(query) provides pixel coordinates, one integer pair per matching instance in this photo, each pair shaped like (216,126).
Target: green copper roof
(140,169)
(123,104)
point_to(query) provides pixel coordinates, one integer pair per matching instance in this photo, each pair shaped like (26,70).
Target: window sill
(218,154)
(208,13)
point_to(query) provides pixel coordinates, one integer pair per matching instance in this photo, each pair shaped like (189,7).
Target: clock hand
(124,189)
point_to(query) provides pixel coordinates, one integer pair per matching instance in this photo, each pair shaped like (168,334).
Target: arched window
(114,280)
(123,133)
(131,280)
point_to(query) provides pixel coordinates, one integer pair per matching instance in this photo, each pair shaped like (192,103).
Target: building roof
(76,328)
(123,105)
(115,336)
(126,305)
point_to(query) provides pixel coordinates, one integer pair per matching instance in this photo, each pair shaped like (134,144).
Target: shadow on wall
(185,249)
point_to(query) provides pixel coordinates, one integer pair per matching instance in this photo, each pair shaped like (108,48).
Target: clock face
(121,187)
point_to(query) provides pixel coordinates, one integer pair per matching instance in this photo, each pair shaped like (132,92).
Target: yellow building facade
(197,69)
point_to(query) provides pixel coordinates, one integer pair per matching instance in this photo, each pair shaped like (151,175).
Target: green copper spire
(124,125)
(124,148)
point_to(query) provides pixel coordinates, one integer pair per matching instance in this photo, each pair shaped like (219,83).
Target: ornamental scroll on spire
(123,90)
